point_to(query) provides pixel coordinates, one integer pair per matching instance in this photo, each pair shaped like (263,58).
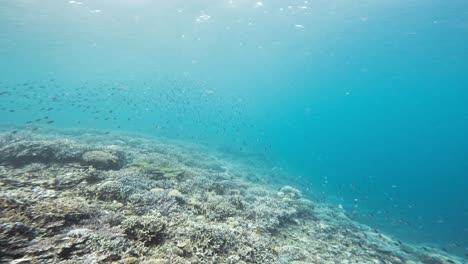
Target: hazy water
(364,102)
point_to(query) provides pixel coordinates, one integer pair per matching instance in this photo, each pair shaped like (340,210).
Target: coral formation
(103,160)
(147,228)
(96,198)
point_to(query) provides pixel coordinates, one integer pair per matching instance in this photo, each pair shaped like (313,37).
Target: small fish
(50,122)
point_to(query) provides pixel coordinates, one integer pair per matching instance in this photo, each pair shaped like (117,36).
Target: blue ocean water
(362,103)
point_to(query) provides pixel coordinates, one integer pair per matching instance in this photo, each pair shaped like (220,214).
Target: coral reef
(103,160)
(147,228)
(97,198)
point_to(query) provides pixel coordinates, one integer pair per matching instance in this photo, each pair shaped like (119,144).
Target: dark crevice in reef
(103,199)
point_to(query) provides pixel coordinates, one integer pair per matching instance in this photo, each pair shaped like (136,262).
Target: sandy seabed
(82,196)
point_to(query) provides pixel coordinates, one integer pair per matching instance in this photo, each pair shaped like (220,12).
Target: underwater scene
(234,131)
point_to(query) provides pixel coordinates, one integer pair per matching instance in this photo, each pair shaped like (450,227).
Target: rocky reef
(90,197)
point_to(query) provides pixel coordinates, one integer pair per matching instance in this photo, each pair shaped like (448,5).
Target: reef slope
(93,197)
